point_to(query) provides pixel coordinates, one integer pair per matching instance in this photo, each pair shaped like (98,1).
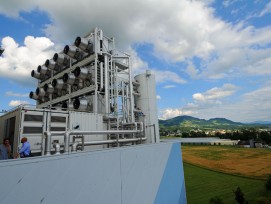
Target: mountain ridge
(186,121)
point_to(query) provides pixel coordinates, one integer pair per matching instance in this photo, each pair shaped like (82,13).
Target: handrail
(48,137)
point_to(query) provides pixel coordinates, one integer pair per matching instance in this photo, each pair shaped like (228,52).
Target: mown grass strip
(203,184)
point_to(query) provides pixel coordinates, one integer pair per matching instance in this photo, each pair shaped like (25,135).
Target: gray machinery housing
(86,98)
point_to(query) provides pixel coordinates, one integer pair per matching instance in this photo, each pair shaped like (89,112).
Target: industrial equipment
(86,90)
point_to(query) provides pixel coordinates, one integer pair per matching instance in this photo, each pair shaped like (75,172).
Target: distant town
(223,131)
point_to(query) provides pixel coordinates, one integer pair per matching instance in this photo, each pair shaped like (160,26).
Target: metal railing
(47,138)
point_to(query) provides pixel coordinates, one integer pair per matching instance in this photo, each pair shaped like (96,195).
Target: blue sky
(211,58)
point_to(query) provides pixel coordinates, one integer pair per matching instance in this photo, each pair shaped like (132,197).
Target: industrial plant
(93,133)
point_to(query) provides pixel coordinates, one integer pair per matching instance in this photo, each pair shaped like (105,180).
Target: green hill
(188,122)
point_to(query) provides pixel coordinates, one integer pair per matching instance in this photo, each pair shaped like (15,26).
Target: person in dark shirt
(5,149)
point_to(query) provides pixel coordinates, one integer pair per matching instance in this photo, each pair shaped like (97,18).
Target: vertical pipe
(48,144)
(116,90)
(117,140)
(129,119)
(101,76)
(95,108)
(122,101)
(83,142)
(154,129)
(66,141)
(131,92)
(106,85)
(43,144)
(101,41)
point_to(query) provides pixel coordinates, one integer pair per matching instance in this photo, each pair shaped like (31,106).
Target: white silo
(145,101)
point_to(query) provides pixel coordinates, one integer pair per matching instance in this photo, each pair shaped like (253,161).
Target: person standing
(5,149)
(25,150)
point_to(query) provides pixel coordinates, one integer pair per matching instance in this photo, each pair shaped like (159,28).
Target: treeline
(257,135)
(247,134)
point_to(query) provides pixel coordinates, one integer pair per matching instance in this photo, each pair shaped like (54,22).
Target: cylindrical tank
(146,102)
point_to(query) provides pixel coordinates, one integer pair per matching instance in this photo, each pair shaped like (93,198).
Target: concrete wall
(146,174)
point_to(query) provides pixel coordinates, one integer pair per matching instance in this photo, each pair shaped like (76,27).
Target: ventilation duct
(80,104)
(48,88)
(81,72)
(64,105)
(43,70)
(61,59)
(35,74)
(50,64)
(58,83)
(74,52)
(79,85)
(83,104)
(69,78)
(84,44)
(67,105)
(33,95)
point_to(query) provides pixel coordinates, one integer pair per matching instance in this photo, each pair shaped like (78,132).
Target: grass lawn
(202,184)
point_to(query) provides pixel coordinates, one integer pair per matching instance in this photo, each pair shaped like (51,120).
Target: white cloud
(139,66)
(168,76)
(14,103)
(169,86)
(227,3)
(18,61)
(209,100)
(266,10)
(158,97)
(251,106)
(178,31)
(171,113)
(215,93)
(191,70)
(10,93)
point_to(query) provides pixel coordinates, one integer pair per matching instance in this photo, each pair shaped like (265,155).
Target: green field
(203,184)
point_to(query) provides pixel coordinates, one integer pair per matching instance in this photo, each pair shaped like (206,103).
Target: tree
(239,196)
(185,134)
(265,136)
(216,200)
(268,183)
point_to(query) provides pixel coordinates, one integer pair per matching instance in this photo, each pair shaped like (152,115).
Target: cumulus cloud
(14,103)
(171,113)
(138,65)
(251,105)
(18,61)
(215,93)
(178,31)
(158,97)
(209,100)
